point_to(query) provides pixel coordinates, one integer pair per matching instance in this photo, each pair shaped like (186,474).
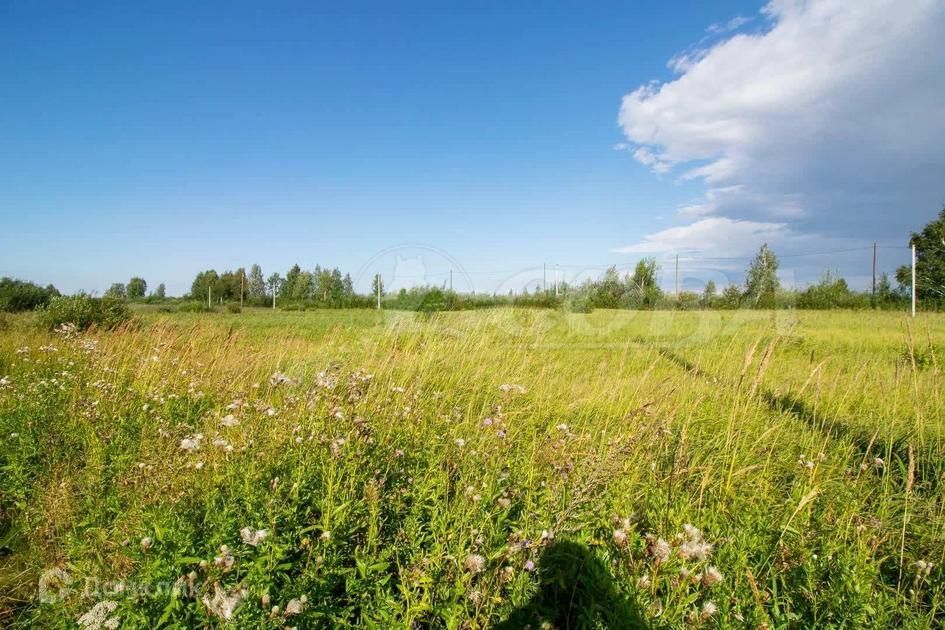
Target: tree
(643,282)
(761,281)
(161,291)
(288,286)
(930,261)
(256,284)
(275,282)
(137,288)
(205,282)
(377,285)
(17,295)
(117,290)
(304,286)
(708,294)
(347,286)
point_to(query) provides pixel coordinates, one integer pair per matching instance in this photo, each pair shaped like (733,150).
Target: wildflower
(396,389)
(294,607)
(223,604)
(225,560)
(460,442)
(711,577)
(487,422)
(923,567)
(198,465)
(508,573)
(512,388)
(657,548)
(643,582)
(475,597)
(879,463)
(474,563)
(252,536)
(326,535)
(99,616)
(4,382)
(229,420)
(805,463)
(529,566)
(620,537)
(14,435)
(695,550)
(146,543)
(278,378)
(501,434)
(399,453)
(504,503)
(192,442)
(691,532)
(708,610)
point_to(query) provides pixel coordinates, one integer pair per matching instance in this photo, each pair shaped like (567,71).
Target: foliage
(496,468)
(117,291)
(137,288)
(761,280)
(84,311)
(930,262)
(161,292)
(18,295)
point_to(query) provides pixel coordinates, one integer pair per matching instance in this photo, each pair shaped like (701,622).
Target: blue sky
(162,140)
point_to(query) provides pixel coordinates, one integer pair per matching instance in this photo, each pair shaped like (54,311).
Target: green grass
(807,448)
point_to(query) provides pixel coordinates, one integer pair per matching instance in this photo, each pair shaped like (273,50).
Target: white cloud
(829,121)
(718,236)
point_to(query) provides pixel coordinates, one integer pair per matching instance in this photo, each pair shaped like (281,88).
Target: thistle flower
(691,532)
(711,577)
(474,563)
(223,604)
(294,607)
(252,536)
(191,442)
(229,420)
(695,550)
(708,610)
(512,388)
(620,537)
(658,548)
(529,566)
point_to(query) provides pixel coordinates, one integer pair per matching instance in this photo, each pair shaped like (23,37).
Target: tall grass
(475,469)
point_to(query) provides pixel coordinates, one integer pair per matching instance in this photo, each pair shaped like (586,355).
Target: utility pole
(377,281)
(209,297)
(242,278)
(913,280)
(544,278)
(273,296)
(677,275)
(874,270)
(556,279)
(451,280)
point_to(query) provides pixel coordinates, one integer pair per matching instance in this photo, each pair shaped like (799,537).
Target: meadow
(495,468)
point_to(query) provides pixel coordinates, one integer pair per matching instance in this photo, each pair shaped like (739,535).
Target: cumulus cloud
(829,122)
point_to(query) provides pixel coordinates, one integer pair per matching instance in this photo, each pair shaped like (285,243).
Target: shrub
(194,307)
(233,307)
(17,295)
(85,311)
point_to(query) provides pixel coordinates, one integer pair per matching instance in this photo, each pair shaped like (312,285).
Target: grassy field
(475,469)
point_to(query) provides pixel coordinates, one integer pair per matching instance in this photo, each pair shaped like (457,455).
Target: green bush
(17,295)
(84,311)
(233,307)
(193,307)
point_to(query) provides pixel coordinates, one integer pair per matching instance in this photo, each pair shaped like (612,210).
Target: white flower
(252,536)
(99,616)
(229,420)
(460,442)
(692,532)
(223,604)
(278,378)
(712,576)
(512,388)
(658,548)
(474,563)
(695,550)
(644,582)
(294,607)
(146,543)
(620,537)
(923,567)
(708,609)
(191,442)
(325,535)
